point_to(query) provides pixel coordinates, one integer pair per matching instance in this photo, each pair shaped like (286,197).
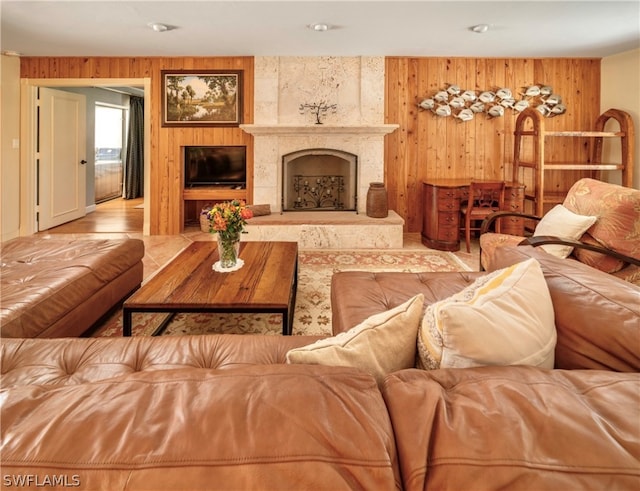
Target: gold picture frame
(201,97)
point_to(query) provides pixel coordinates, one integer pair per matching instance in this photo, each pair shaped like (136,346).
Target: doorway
(29,151)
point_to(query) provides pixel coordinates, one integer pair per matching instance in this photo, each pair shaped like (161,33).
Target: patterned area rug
(312,314)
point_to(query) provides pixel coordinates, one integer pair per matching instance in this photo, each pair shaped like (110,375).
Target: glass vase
(228,249)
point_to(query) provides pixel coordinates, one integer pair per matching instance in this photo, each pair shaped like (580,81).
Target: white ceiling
(360,28)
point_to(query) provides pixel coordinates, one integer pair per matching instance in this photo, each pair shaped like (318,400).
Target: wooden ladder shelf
(530,129)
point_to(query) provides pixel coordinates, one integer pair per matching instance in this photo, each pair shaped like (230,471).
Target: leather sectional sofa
(227,412)
(57,287)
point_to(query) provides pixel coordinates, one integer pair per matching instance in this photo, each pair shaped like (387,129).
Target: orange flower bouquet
(228,221)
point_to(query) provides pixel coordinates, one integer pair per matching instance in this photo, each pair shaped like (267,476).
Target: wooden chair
(485,198)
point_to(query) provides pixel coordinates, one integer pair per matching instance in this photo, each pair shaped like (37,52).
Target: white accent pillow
(565,224)
(381,344)
(503,318)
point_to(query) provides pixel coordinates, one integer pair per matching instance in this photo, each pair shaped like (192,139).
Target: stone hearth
(329,230)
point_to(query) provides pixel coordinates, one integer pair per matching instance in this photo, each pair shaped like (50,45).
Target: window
(109,132)
(110,125)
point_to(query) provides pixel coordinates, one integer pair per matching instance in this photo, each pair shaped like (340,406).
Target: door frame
(28,134)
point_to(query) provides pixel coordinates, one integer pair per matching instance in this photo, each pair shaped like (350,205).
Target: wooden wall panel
(166,204)
(426,146)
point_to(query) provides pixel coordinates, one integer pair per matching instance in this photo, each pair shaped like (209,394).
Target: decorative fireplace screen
(319,180)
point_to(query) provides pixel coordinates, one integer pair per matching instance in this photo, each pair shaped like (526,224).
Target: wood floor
(113,216)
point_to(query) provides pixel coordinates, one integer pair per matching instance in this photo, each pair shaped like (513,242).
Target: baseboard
(90,208)
(9,235)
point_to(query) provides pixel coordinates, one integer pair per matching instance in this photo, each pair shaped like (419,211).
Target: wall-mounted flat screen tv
(215,165)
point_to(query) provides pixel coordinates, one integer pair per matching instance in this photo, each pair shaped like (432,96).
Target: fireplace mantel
(318,129)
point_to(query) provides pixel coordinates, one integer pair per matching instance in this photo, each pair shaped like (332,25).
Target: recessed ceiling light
(157,27)
(480,28)
(319,27)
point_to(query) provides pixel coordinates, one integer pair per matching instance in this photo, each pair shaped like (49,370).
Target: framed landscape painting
(201,97)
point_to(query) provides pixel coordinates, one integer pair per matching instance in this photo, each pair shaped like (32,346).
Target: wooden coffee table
(266,283)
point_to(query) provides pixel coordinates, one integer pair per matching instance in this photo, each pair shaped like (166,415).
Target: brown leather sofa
(190,413)
(60,287)
(226,412)
(573,427)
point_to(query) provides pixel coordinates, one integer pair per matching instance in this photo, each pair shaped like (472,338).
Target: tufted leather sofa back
(381,291)
(272,426)
(86,360)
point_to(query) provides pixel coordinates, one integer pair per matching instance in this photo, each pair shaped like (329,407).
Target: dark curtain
(134,163)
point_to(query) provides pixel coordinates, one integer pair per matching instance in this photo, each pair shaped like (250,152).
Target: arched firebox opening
(319,179)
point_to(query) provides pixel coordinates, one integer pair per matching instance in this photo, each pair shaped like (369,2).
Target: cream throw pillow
(565,224)
(503,318)
(382,344)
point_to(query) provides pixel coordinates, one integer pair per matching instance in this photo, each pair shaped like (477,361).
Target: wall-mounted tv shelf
(214,193)
(530,136)
(197,197)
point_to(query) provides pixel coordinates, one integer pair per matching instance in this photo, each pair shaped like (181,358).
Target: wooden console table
(441,211)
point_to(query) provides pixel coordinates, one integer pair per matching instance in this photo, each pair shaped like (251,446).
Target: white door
(62,158)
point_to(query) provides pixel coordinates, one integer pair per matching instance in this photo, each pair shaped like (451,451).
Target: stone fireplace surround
(321,229)
(356,85)
(272,142)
